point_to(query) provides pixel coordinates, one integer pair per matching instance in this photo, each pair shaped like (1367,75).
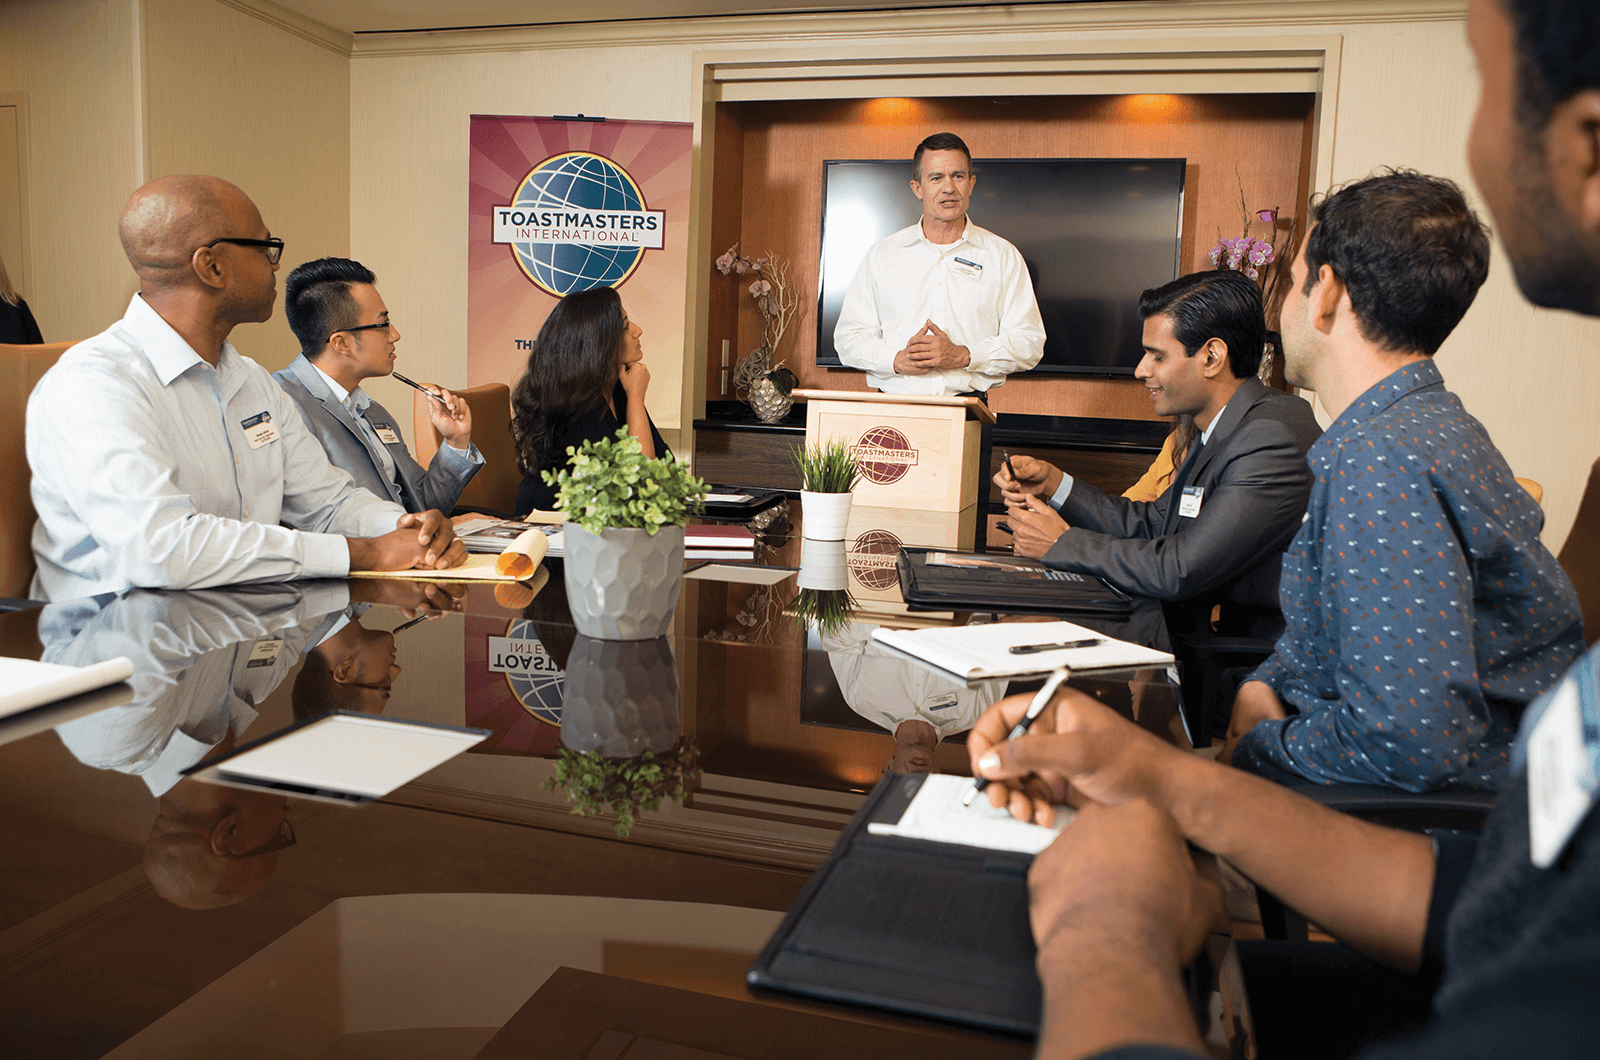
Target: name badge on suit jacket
(385,434)
(1563,749)
(1189,503)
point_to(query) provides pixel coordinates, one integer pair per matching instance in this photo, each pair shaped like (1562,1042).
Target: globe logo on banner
(885,455)
(873,558)
(530,671)
(578,221)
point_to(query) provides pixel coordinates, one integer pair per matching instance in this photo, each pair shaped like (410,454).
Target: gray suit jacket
(348,447)
(1256,483)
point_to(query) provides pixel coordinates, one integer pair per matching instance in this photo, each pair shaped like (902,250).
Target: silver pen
(1040,701)
(420,387)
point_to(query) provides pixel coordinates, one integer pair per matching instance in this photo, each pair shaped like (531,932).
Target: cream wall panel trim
(334,40)
(19,259)
(1099,84)
(903,23)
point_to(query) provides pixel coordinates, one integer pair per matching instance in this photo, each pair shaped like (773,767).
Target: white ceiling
(378,16)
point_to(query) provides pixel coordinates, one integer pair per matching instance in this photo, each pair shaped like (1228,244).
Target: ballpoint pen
(1040,701)
(420,387)
(1034,649)
(407,625)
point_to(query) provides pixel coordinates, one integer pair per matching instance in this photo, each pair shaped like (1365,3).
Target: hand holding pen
(1035,708)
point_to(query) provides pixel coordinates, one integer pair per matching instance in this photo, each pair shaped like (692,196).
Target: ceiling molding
(791,29)
(296,24)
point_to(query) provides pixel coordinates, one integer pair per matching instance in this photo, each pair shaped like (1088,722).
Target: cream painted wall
(240,99)
(1406,93)
(75,62)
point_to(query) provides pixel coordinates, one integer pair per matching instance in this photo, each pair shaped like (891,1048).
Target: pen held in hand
(402,627)
(419,386)
(1034,649)
(1035,708)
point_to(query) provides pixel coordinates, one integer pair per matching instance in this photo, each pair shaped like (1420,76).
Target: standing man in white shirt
(163,459)
(346,338)
(942,307)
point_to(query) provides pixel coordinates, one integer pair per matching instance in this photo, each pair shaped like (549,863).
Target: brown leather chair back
(1580,555)
(495,486)
(20,369)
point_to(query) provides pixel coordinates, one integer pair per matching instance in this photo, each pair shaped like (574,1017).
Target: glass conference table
(471,912)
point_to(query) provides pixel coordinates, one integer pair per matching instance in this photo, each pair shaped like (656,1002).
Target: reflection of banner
(562,206)
(513,687)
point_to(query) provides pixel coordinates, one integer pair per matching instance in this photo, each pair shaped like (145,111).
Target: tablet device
(343,757)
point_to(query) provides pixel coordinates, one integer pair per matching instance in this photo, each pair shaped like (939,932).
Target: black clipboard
(1006,583)
(934,930)
(760,500)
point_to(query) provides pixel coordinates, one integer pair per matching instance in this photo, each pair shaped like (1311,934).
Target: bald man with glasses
(163,459)
(346,337)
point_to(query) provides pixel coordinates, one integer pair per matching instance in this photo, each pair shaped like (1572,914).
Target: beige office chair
(494,488)
(20,369)
(1535,490)
(1580,555)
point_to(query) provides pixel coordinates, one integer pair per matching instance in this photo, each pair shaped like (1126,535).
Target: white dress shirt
(888,688)
(976,289)
(145,472)
(194,679)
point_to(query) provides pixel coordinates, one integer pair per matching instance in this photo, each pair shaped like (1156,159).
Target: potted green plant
(828,473)
(625,787)
(623,536)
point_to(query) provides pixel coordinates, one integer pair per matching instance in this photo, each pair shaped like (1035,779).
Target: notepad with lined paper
(981,652)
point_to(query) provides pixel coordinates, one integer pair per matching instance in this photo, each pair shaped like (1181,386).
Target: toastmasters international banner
(560,206)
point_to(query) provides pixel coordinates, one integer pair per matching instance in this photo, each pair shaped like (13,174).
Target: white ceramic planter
(824,515)
(822,564)
(623,583)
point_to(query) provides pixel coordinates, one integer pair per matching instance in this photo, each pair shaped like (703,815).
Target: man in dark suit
(346,337)
(1217,534)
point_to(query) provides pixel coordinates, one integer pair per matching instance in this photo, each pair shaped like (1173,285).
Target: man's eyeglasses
(385,325)
(274,247)
(284,839)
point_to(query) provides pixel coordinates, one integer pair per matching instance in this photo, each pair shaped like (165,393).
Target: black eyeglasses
(386,325)
(283,840)
(274,247)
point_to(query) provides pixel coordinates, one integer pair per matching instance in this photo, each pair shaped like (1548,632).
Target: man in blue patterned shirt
(1423,613)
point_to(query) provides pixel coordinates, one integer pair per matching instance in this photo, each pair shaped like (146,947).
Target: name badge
(385,434)
(258,430)
(944,702)
(264,653)
(968,268)
(1189,503)
(1563,762)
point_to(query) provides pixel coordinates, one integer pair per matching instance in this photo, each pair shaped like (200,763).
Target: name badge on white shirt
(968,268)
(942,702)
(1189,503)
(1563,763)
(385,434)
(264,653)
(258,430)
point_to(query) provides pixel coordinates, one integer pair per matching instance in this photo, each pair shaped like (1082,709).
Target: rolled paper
(517,595)
(523,555)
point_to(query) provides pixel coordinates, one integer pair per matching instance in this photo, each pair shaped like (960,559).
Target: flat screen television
(1095,232)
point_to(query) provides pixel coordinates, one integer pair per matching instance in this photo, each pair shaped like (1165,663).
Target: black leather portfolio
(947,580)
(920,928)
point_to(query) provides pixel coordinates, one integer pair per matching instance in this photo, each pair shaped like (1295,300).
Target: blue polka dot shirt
(1423,613)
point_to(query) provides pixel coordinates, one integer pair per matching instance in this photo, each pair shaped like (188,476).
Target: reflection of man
(203,663)
(346,337)
(1218,532)
(1420,556)
(353,668)
(1511,942)
(917,705)
(162,458)
(942,307)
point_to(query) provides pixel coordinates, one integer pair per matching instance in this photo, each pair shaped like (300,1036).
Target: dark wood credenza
(732,447)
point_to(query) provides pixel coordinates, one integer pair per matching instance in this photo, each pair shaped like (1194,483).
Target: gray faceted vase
(620,697)
(623,583)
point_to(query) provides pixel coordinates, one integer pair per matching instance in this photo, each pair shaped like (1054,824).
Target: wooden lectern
(917,453)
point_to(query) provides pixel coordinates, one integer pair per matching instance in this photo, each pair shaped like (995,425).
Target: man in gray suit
(1217,535)
(346,337)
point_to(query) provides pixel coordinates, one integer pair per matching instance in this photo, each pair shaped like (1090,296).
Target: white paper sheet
(936,814)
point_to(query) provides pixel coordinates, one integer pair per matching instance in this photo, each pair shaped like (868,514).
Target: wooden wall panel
(784,144)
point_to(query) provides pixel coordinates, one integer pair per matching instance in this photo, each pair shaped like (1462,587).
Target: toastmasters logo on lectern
(885,454)
(872,559)
(578,221)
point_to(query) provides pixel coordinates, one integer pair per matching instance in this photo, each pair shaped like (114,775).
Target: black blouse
(598,423)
